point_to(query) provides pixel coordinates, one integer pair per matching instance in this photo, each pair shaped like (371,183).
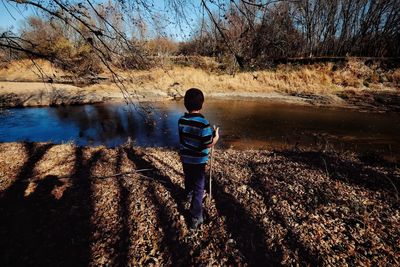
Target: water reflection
(112,125)
(244,124)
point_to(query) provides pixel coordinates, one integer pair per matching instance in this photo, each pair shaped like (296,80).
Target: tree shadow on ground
(41,230)
(247,232)
(176,191)
(123,212)
(167,166)
(350,172)
(179,250)
(292,239)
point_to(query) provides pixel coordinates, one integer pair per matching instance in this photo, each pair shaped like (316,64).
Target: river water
(244,124)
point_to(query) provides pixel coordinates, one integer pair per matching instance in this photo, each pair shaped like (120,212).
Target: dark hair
(194,99)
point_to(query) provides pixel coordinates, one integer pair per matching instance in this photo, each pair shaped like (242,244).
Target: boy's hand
(216,131)
(216,136)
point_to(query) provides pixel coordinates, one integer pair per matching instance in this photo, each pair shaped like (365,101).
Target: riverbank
(65,205)
(35,94)
(351,85)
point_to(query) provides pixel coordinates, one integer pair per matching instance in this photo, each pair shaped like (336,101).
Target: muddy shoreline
(41,95)
(66,205)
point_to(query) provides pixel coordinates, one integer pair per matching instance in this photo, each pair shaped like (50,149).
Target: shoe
(189,197)
(188,200)
(196,222)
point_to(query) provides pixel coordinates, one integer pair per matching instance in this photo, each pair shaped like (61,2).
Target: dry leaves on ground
(61,205)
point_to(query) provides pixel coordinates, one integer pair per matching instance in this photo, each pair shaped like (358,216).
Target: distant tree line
(85,36)
(255,31)
(44,37)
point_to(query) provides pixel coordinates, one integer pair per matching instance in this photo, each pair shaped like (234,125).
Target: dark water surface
(244,124)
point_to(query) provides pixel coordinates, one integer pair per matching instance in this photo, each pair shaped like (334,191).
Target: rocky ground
(62,205)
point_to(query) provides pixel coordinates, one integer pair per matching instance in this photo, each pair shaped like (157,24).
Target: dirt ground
(63,205)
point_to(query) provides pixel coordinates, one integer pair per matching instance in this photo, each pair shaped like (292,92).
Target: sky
(12,17)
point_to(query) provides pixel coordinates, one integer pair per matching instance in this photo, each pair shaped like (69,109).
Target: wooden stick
(211,166)
(152,179)
(120,174)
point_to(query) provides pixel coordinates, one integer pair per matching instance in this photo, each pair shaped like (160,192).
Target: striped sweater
(195,134)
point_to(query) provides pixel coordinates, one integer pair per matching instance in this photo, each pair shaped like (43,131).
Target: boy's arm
(215,137)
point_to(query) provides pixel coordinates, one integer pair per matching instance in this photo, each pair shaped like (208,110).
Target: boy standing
(196,137)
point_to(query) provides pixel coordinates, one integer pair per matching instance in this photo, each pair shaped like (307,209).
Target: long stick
(121,174)
(211,166)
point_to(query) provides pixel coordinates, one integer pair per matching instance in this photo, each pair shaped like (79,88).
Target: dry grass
(316,79)
(29,71)
(173,78)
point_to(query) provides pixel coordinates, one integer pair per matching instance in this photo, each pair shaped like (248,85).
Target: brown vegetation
(336,83)
(65,205)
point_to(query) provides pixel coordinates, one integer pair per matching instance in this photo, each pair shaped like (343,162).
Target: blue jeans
(194,184)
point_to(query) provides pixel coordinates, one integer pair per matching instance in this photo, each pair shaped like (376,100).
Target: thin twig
(120,174)
(326,167)
(150,178)
(394,186)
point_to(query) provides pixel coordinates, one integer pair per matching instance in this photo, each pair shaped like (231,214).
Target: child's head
(194,99)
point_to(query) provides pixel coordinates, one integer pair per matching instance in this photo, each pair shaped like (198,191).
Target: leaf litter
(268,207)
